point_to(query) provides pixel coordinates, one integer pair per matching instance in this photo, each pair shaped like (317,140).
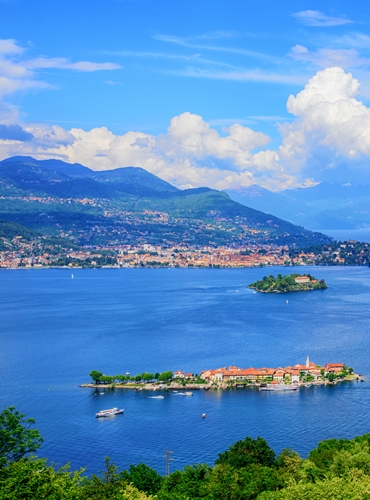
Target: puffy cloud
(190,153)
(329,135)
(332,130)
(50,137)
(332,85)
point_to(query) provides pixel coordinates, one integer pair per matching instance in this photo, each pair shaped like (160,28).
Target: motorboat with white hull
(109,413)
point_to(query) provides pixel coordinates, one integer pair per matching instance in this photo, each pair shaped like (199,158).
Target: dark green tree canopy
(144,478)
(165,376)
(16,437)
(95,375)
(247,452)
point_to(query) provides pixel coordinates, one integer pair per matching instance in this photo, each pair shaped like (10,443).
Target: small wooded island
(290,283)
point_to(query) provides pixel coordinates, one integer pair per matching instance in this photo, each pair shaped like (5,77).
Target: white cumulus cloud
(331,131)
(328,135)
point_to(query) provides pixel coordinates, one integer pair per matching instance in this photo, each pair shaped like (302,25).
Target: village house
(334,368)
(264,373)
(279,375)
(240,375)
(289,374)
(294,376)
(179,374)
(302,279)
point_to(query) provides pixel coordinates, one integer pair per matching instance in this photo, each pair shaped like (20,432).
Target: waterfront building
(334,367)
(279,375)
(302,279)
(289,374)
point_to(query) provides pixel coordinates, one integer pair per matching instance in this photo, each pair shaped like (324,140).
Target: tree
(165,376)
(226,482)
(144,478)
(156,376)
(16,437)
(95,375)
(188,483)
(33,478)
(247,452)
(109,485)
(331,377)
(354,486)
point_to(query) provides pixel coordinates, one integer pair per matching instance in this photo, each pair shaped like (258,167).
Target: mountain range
(129,206)
(321,207)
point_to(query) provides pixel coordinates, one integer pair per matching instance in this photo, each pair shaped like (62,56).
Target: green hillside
(130,206)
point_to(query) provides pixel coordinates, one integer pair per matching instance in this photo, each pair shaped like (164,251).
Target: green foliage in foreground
(16,437)
(284,284)
(249,469)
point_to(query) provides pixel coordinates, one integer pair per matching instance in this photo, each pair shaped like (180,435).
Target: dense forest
(284,284)
(249,469)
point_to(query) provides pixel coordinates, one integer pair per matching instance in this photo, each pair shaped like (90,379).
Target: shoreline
(287,291)
(36,268)
(223,386)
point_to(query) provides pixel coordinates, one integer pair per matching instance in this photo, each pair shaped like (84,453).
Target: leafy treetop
(16,437)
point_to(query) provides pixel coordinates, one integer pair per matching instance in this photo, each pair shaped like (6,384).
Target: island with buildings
(289,283)
(295,376)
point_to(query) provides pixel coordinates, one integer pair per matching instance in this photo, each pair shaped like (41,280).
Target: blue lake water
(54,330)
(362,235)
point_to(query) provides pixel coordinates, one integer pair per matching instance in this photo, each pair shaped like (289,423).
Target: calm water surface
(362,235)
(54,330)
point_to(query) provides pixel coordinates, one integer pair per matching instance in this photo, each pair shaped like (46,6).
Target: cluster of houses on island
(291,374)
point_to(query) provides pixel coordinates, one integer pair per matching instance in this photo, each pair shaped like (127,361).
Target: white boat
(188,393)
(279,387)
(109,413)
(156,397)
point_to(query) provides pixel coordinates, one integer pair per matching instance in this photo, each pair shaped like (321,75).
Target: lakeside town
(289,377)
(19,253)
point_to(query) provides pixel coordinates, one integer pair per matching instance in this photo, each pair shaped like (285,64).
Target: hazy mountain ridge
(324,206)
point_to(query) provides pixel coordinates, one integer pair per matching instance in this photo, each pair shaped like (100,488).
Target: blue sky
(197,92)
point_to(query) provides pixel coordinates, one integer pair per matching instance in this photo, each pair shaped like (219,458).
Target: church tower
(307,362)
